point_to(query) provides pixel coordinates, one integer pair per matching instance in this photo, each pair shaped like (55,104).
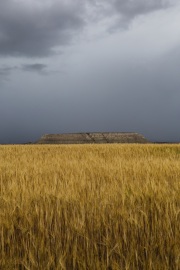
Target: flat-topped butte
(92,137)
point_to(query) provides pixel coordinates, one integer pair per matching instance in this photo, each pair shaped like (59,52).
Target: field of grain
(90,207)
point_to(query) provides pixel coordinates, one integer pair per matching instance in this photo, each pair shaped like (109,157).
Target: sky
(89,66)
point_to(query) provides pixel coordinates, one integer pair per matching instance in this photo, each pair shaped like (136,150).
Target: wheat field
(90,207)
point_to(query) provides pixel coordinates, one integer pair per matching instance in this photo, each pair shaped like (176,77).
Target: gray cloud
(125,11)
(5,71)
(132,8)
(37,67)
(35,28)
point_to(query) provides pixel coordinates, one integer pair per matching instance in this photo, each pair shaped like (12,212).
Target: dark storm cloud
(33,28)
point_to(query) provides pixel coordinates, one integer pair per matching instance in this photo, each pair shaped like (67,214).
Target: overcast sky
(89,65)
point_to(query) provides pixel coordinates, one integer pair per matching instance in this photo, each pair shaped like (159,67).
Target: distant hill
(92,137)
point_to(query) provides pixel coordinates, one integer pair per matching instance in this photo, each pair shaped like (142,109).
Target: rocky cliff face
(98,137)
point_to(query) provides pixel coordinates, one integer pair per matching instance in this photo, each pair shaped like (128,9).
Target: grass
(90,207)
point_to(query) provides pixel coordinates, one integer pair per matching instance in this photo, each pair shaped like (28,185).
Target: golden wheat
(90,207)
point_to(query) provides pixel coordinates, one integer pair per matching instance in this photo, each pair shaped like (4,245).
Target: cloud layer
(36,28)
